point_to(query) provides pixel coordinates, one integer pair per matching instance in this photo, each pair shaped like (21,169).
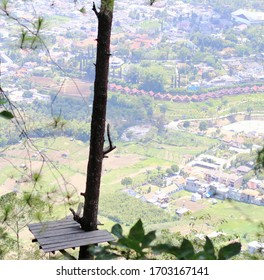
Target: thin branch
(111,147)
(76,217)
(95,10)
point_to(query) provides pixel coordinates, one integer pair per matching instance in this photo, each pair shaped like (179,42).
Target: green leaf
(137,231)
(186,250)
(6,115)
(2,101)
(83,10)
(208,253)
(130,244)
(229,251)
(209,249)
(117,231)
(148,238)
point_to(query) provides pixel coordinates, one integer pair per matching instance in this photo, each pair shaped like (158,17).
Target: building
(218,190)
(195,197)
(209,162)
(182,211)
(247,17)
(229,180)
(254,184)
(243,170)
(255,247)
(249,196)
(206,165)
(192,184)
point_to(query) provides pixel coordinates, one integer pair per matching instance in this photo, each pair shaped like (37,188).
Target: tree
(186,124)
(16,211)
(260,161)
(132,75)
(169,172)
(152,81)
(163,108)
(126,181)
(175,168)
(97,152)
(203,126)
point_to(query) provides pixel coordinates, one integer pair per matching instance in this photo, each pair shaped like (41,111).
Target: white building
(195,197)
(255,246)
(248,17)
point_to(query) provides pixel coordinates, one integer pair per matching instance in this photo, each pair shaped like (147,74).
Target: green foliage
(229,251)
(186,251)
(17,210)
(4,4)
(139,245)
(107,5)
(83,10)
(126,181)
(120,207)
(6,243)
(203,126)
(175,168)
(186,124)
(259,167)
(6,115)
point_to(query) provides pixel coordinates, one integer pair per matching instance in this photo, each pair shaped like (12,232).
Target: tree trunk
(96,153)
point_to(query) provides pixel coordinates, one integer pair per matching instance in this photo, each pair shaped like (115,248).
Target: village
(236,68)
(208,176)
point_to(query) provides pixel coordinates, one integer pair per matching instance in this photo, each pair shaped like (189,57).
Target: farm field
(63,161)
(69,157)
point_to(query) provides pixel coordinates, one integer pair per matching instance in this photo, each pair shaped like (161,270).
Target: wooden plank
(77,243)
(71,237)
(52,224)
(45,229)
(50,231)
(64,234)
(57,232)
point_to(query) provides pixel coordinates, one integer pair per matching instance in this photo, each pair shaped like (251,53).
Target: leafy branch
(139,245)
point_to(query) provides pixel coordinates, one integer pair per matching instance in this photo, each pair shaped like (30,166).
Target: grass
(229,216)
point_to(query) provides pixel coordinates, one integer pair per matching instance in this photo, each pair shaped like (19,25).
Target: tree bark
(96,152)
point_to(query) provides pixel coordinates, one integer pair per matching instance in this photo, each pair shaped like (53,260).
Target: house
(255,247)
(247,17)
(182,211)
(151,198)
(249,196)
(171,189)
(243,170)
(192,184)
(230,180)
(195,197)
(163,198)
(254,184)
(218,190)
(259,200)
(235,194)
(204,164)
